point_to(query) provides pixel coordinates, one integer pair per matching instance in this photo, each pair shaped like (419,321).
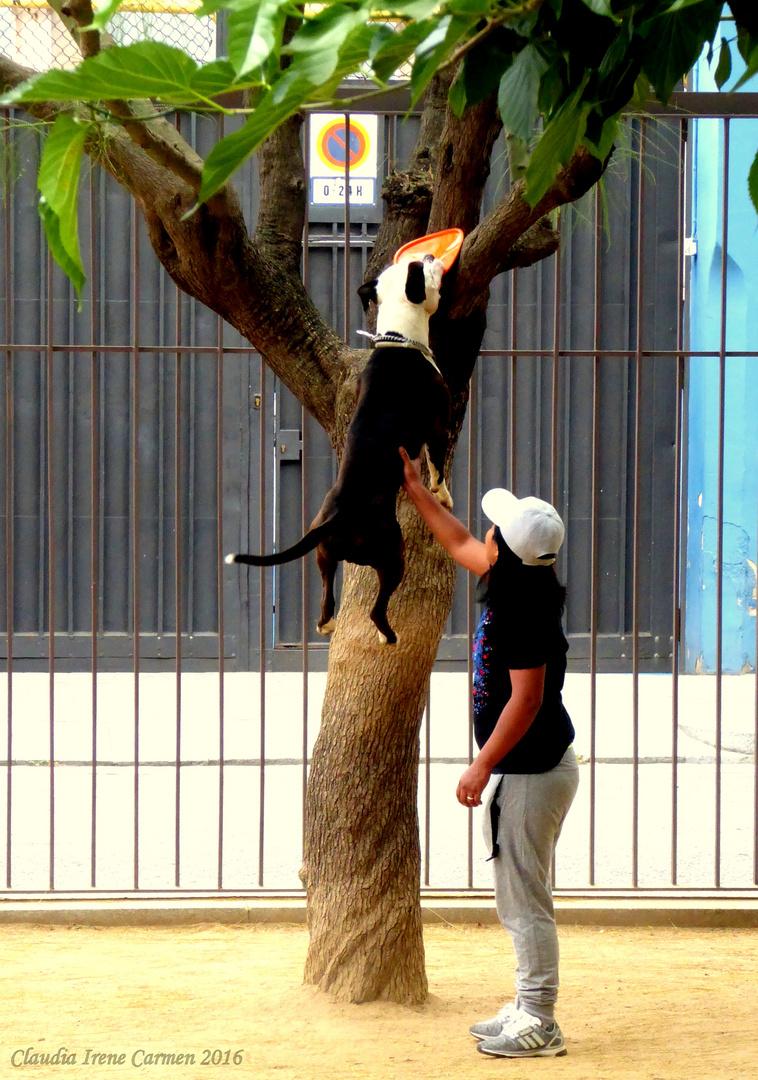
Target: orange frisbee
(443,245)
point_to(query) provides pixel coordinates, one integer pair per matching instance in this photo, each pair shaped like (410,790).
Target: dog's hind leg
(390,575)
(327,568)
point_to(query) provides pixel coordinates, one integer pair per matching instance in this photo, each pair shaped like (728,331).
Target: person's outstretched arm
(447,529)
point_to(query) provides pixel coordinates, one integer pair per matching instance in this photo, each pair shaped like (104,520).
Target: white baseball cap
(531,528)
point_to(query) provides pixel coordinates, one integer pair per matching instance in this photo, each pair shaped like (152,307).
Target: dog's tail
(302,547)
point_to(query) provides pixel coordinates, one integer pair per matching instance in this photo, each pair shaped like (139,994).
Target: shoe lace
(506,1011)
(519,1022)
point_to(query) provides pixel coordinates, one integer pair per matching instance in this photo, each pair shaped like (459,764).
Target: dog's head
(413,282)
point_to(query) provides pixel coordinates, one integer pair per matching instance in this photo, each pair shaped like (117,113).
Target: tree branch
(407,193)
(488,250)
(538,242)
(281,211)
(154,137)
(465,154)
(80,11)
(210,256)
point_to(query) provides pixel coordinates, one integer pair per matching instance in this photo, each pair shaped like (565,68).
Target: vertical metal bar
(9,497)
(135,528)
(472,405)
(678,432)
(595,550)
(94,520)
(262,628)
(220,572)
(391,143)
(220,587)
(512,404)
(556,361)
(51,563)
(304,517)
(304,601)
(347,228)
(720,497)
(636,504)
(178,613)
(306,221)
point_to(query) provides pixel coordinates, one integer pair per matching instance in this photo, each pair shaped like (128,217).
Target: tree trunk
(362,855)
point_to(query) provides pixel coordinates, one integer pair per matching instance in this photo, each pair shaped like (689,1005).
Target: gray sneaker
(525,1036)
(489,1029)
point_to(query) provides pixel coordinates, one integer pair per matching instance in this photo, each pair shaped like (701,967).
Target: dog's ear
(415,283)
(367,293)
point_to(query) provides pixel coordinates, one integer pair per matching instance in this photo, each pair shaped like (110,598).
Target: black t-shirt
(504,644)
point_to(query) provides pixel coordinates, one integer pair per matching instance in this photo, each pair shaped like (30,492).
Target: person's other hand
(471,785)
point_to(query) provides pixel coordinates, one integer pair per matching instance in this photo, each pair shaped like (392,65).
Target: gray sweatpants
(532,809)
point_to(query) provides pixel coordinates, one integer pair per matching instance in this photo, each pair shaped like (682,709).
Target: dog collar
(399,341)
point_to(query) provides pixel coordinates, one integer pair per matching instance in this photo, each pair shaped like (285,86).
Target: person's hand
(411,469)
(472,784)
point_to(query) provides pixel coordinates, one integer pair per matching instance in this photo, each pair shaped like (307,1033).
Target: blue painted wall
(741,398)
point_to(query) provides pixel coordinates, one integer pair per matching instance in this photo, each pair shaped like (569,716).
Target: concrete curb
(696,913)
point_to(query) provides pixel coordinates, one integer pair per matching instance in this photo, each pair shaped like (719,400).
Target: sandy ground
(659,1004)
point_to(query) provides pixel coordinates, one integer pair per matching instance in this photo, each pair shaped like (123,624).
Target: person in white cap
(526,768)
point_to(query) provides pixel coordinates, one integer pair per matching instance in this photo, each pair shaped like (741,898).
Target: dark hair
(511,588)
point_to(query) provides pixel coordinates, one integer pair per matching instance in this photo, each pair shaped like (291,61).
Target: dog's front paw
(327,628)
(443,495)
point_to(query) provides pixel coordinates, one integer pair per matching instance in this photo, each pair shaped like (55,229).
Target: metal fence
(161,707)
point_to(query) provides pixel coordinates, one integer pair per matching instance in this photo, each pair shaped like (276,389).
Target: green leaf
(641,94)
(480,8)
(484,65)
(557,144)
(218,77)
(381,37)
(328,29)
(310,77)
(600,7)
(416,9)
(554,86)
(601,144)
(724,66)
(517,95)
(255,33)
(103,15)
(745,43)
(750,70)
(147,69)
(210,7)
(752,183)
(229,153)
(456,99)
(396,51)
(679,4)
(436,49)
(58,182)
(674,43)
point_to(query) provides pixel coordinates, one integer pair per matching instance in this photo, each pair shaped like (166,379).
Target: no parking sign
(334,143)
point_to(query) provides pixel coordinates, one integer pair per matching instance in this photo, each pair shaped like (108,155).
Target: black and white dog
(402,400)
